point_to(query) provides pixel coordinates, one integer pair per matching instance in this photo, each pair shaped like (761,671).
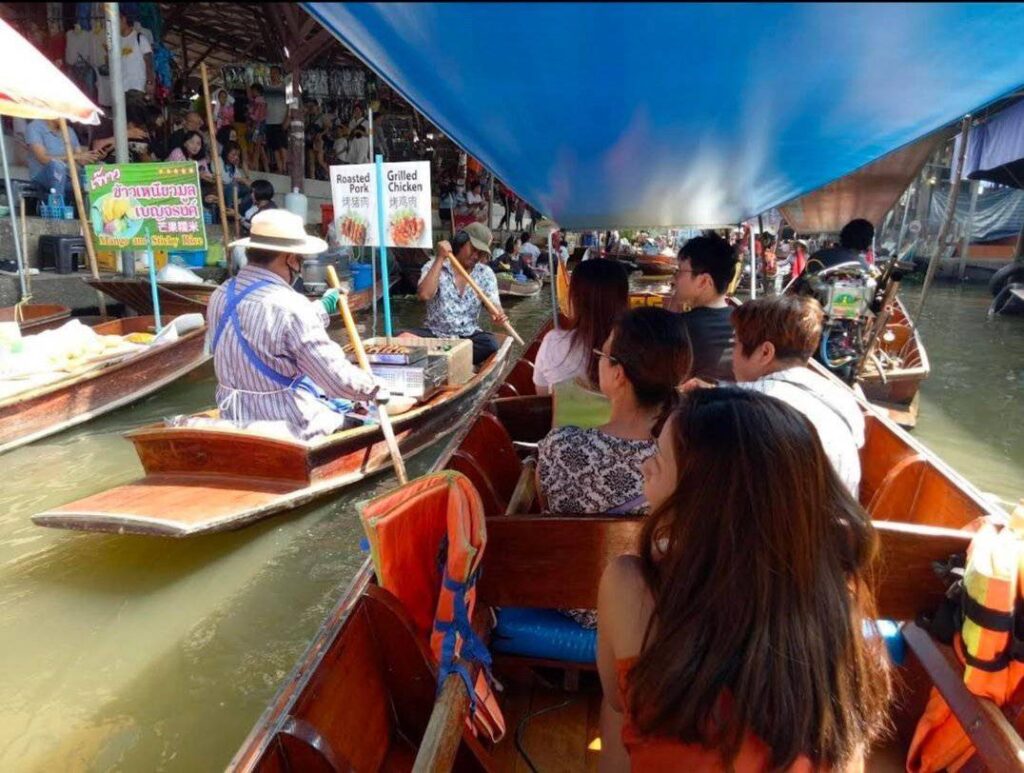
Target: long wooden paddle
(494,310)
(357,345)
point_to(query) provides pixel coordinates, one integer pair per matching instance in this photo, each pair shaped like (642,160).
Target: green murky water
(133,653)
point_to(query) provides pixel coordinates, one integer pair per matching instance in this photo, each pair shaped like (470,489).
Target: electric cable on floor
(521,727)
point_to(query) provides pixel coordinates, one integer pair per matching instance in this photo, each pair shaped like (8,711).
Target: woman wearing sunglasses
(644,359)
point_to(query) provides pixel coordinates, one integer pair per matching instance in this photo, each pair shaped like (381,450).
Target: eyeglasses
(610,357)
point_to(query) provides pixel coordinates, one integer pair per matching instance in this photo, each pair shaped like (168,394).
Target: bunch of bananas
(116,213)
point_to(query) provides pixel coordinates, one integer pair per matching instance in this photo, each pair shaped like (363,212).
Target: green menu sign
(138,205)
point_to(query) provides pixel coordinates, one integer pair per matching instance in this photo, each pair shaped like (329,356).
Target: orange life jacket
(993,582)
(427,540)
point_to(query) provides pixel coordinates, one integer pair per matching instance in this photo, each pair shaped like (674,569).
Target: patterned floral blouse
(589,471)
(451,315)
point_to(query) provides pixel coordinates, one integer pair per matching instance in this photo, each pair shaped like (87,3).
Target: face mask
(293,273)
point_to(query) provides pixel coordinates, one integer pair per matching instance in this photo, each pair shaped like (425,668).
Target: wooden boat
(201,480)
(510,288)
(36,317)
(891,380)
(178,298)
(363,695)
(56,406)
(657,265)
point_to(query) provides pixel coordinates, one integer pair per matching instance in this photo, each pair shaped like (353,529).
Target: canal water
(134,653)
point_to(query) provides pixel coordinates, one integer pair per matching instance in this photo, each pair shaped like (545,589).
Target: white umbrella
(32,87)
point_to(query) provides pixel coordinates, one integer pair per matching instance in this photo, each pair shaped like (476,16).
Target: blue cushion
(547,633)
(543,633)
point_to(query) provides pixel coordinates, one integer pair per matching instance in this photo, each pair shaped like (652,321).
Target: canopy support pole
(965,244)
(382,232)
(112,14)
(903,221)
(373,250)
(83,214)
(954,191)
(490,205)
(113,19)
(753,265)
(551,271)
(218,169)
(22,268)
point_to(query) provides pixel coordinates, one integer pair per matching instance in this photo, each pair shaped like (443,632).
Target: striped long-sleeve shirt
(289,334)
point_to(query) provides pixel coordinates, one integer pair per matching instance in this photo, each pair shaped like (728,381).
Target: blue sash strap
(629,507)
(230,314)
(473,648)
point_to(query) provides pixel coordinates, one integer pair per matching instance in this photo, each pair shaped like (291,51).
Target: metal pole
(373,250)
(553,275)
(117,82)
(965,245)
(753,265)
(22,268)
(954,191)
(382,235)
(903,222)
(490,204)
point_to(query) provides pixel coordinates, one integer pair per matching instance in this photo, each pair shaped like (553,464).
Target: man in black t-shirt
(707,265)
(854,241)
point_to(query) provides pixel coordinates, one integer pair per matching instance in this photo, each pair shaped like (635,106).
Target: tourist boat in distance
(203,479)
(100,387)
(35,317)
(892,378)
(178,298)
(363,696)
(509,287)
(657,265)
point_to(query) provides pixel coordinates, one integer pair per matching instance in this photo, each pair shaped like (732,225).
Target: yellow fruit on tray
(139,338)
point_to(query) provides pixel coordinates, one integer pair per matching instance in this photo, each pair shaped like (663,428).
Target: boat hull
(513,289)
(36,317)
(896,391)
(201,480)
(55,407)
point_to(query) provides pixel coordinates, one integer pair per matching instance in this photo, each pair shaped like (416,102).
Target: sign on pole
(142,205)
(406,198)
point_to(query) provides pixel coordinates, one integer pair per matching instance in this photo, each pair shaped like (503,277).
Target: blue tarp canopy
(620,115)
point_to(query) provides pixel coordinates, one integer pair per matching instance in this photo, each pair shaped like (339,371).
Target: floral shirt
(589,471)
(451,315)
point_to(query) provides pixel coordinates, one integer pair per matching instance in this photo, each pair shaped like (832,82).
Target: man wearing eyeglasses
(707,265)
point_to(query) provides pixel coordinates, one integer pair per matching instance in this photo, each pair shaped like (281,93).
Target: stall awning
(629,114)
(32,87)
(869,192)
(995,148)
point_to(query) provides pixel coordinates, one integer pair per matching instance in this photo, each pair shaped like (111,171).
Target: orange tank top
(670,754)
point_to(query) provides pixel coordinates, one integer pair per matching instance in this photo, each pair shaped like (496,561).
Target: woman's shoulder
(555,340)
(624,605)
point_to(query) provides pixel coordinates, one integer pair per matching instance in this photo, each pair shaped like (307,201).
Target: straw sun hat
(279,230)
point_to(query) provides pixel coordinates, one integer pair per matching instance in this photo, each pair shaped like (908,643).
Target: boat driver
(453,308)
(273,358)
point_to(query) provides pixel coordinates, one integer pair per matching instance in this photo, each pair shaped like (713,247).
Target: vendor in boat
(273,358)
(707,265)
(776,337)
(511,261)
(787,556)
(453,308)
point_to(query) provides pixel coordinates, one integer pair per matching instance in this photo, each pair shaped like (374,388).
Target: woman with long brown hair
(735,640)
(598,295)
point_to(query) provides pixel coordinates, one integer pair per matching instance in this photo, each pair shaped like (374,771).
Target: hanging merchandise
(83,13)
